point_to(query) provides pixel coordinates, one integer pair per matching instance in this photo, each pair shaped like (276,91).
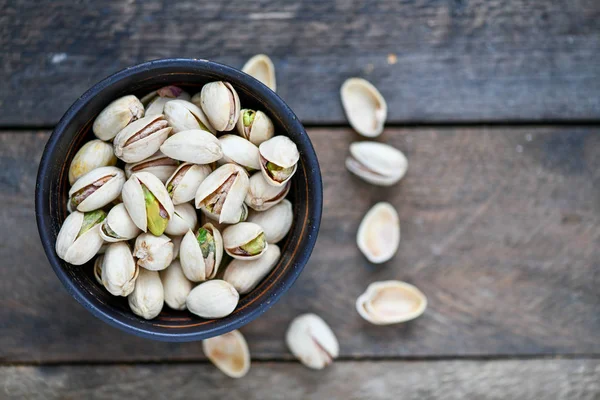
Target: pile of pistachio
(141,219)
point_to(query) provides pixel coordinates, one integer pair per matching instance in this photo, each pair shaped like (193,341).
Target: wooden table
(496,104)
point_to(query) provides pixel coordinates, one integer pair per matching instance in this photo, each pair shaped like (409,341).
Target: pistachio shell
(240,151)
(133,197)
(116,116)
(221,104)
(176,240)
(185,116)
(391,302)
(195,146)
(378,235)
(156,100)
(176,286)
(364,106)
(74,248)
(275,222)
(184,182)
(245,275)
(119,271)
(153,130)
(118,226)
(147,298)
(184,219)
(101,194)
(312,341)
(255,126)
(376,163)
(241,234)
(281,152)
(234,195)
(154,253)
(261,67)
(98,268)
(193,261)
(94,154)
(158,165)
(229,353)
(213,299)
(262,195)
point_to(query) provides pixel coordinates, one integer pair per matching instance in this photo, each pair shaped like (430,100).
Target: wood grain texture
(500,229)
(440,60)
(524,380)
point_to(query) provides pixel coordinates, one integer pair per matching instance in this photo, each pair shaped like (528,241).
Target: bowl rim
(286,117)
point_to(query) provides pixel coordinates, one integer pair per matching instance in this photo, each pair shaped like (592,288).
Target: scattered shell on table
(364,106)
(213,299)
(142,138)
(276,221)
(378,235)
(96,189)
(278,159)
(262,195)
(184,219)
(158,165)
(155,101)
(261,67)
(79,239)
(116,116)
(391,302)
(176,286)
(94,154)
(195,146)
(255,126)
(184,182)
(244,241)
(148,296)
(312,341)
(221,104)
(201,253)
(239,151)
(119,270)
(245,275)
(229,353)
(185,116)
(154,253)
(118,226)
(376,163)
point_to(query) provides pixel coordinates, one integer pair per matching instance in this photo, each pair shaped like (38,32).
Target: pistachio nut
(312,341)
(261,67)
(118,226)
(79,239)
(377,163)
(94,154)
(154,253)
(119,271)
(148,296)
(98,268)
(96,189)
(158,165)
(391,302)
(184,219)
(245,275)
(255,126)
(184,182)
(175,285)
(184,116)
(221,195)
(276,221)
(221,104)
(212,299)
(116,116)
(141,139)
(262,195)
(364,106)
(201,253)
(195,146)
(155,101)
(239,151)
(378,235)
(147,202)
(229,353)
(176,240)
(244,241)
(278,159)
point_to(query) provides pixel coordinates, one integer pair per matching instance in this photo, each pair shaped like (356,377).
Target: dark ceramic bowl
(74,129)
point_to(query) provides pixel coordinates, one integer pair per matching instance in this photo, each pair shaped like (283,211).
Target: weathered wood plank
(500,229)
(438,60)
(525,380)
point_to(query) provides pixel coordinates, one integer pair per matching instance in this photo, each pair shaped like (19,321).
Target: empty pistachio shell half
(244,241)
(221,195)
(278,160)
(312,341)
(255,126)
(245,275)
(147,202)
(213,299)
(195,146)
(376,163)
(185,116)
(378,235)
(229,353)
(391,302)
(176,286)
(364,106)
(221,104)
(261,67)
(116,116)
(184,219)
(275,222)
(141,139)
(118,226)
(94,154)
(240,151)
(79,239)
(201,253)
(184,182)
(262,195)
(158,165)
(155,101)
(96,189)
(147,298)
(119,270)
(154,253)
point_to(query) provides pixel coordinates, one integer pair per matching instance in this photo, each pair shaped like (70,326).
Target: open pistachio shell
(94,154)
(98,267)
(376,163)
(240,151)
(221,104)
(255,126)
(119,270)
(391,302)
(153,253)
(116,116)
(79,240)
(213,299)
(184,182)
(245,275)
(184,219)
(261,67)
(276,221)
(262,195)
(195,146)
(148,296)
(175,285)
(278,160)
(201,253)
(244,241)
(185,116)
(229,353)
(312,341)
(141,139)
(96,189)
(378,235)
(155,101)
(364,106)
(222,193)
(118,226)
(158,165)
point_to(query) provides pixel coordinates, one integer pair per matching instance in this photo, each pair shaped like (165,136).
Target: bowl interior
(75,129)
